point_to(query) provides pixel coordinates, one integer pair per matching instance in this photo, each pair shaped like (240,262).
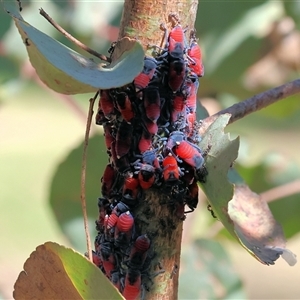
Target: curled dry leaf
(256,227)
(68,72)
(55,272)
(241,211)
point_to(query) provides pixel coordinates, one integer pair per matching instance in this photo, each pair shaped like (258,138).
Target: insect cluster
(151,135)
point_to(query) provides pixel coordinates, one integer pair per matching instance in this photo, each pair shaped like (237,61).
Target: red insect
(108,134)
(176,43)
(107,104)
(123,139)
(96,259)
(125,222)
(178,107)
(171,171)
(122,163)
(123,230)
(145,141)
(109,265)
(130,188)
(191,101)
(132,286)
(143,79)
(124,106)
(100,117)
(146,175)
(190,154)
(107,257)
(112,220)
(108,180)
(138,252)
(191,119)
(194,53)
(152,103)
(152,127)
(177,74)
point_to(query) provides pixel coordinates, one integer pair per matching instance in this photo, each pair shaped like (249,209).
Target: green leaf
(65,188)
(68,72)
(207,273)
(55,272)
(220,157)
(241,211)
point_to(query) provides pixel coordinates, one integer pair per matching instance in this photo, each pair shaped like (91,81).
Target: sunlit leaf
(66,71)
(240,210)
(55,272)
(256,227)
(220,157)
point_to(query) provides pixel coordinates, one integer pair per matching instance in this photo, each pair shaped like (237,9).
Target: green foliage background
(248,47)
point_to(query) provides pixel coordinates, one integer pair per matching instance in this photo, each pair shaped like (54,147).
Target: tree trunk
(141,19)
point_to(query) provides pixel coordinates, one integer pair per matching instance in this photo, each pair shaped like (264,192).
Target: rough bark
(141,19)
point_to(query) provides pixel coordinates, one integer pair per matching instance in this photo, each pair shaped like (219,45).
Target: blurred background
(248,47)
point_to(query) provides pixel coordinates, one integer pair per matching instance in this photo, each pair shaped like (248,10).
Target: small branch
(83,177)
(73,39)
(255,103)
(282,191)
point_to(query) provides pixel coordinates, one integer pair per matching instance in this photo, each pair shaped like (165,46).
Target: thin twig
(255,103)
(83,177)
(282,191)
(73,39)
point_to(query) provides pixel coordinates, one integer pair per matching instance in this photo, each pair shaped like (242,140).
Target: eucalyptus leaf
(68,72)
(55,272)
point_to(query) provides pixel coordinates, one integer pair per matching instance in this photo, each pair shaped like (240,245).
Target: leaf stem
(73,39)
(83,177)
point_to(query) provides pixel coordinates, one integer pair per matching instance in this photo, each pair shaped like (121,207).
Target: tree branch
(255,103)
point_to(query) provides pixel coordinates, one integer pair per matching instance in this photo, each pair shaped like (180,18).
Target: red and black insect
(143,79)
(151,126)
(146,175)
(123,230)
(123,139)
(108,180)
(121,164)
(139,252)
(107,104)
(97,259)
(108,134)
(177,74)
(130,187)
(171,171)
(178,107)
(100,117)
(124,106)
(152,103)
(176,43)
(150,157)
(195,55)
(132,285)
(145,141)
(191,101)
(190,154)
